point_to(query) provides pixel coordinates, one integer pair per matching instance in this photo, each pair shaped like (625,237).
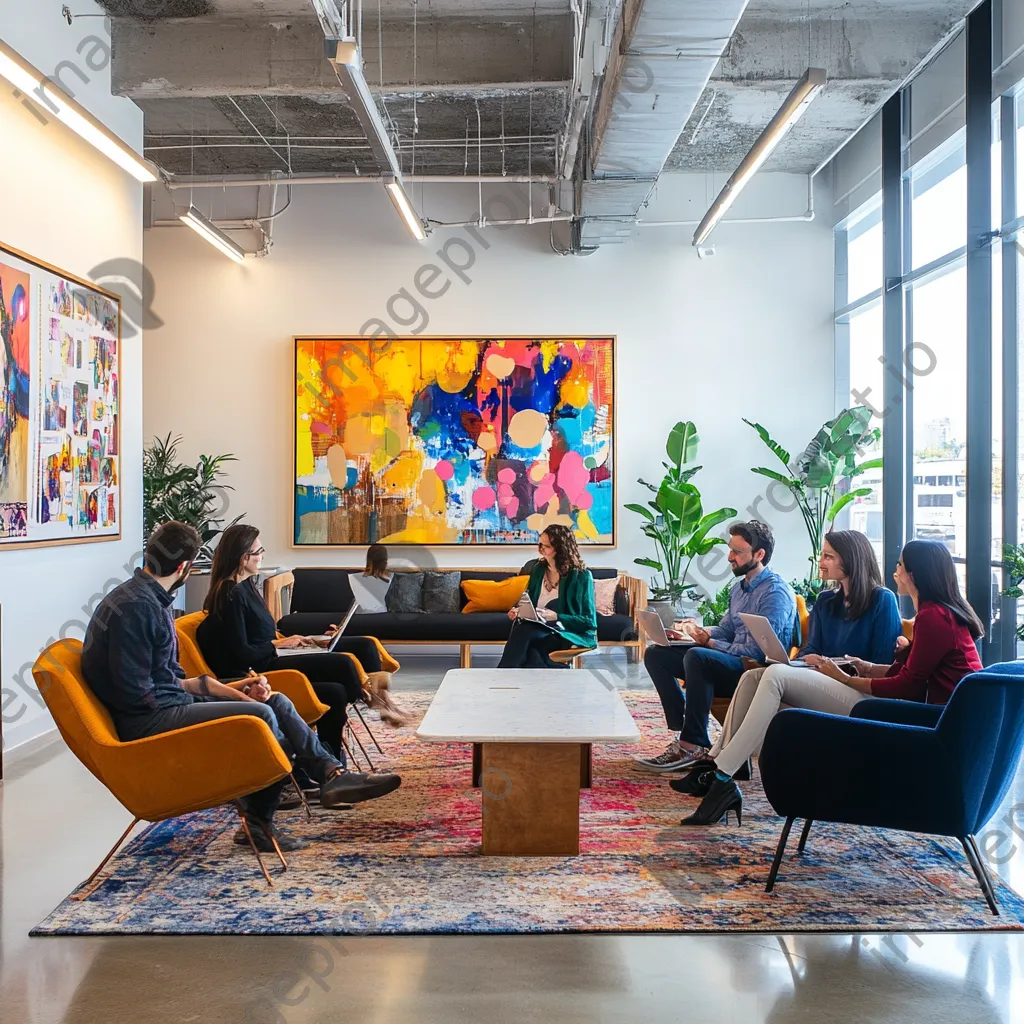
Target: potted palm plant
(675,520)
(819,478)
(189,494)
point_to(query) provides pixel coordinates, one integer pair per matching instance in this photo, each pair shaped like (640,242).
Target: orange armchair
(162,776)
(294,685)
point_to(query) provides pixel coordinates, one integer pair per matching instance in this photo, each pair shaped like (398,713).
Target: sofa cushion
(621,601)
(611,627)
(405,595)
(441,592)
(321,590)
(604,596)
(493,595)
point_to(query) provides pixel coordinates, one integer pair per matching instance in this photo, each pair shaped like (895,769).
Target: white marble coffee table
(531,731)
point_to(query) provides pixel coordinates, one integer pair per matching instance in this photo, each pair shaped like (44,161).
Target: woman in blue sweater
(857,617)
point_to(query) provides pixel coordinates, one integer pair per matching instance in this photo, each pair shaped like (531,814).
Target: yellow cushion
(493,595)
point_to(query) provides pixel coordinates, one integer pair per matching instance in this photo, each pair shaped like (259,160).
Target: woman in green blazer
(562,590)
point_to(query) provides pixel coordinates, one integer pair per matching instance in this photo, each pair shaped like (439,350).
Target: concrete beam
(167,59)
(887,48)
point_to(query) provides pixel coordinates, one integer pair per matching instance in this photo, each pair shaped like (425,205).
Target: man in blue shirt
(130,661)
(712,668)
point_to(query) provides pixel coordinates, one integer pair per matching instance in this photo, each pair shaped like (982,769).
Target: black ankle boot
(698,781)
(723,796)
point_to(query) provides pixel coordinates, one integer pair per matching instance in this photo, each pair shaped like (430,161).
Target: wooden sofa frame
(636,593)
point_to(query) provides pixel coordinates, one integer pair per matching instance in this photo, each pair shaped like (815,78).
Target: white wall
(747,332)
(64,203)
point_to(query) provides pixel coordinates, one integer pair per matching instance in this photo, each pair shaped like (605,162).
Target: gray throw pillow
(441,592)
(405,595)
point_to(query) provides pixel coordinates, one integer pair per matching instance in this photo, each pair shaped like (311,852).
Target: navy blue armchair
(897,764)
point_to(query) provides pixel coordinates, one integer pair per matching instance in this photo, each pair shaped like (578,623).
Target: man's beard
(742,570)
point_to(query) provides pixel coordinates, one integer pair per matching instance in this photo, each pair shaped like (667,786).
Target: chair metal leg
(277,849)
(248,835)
(359,742)
(354,761)
(970,846)
(804,834)
(369,731)
(780,850)
(302,796)
(113,849)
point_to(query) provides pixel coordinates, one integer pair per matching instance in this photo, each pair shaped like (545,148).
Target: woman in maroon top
(945,628)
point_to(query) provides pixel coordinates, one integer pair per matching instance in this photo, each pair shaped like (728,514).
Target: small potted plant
(675,520)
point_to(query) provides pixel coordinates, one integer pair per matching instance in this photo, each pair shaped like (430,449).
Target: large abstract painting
(59,406)
(454,441)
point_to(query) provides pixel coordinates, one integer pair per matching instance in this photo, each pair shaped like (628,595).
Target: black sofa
(320,596)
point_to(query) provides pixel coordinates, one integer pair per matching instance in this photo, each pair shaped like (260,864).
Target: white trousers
(761,693)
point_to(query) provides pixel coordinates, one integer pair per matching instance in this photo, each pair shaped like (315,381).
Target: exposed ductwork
(663,54)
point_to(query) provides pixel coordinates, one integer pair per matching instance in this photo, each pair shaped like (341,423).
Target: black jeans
(296,738)
(529,645)
(707,673)
(336,683)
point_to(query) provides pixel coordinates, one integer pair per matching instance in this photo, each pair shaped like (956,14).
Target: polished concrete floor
(57,822)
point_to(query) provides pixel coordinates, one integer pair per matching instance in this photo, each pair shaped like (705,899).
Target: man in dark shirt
(130,660)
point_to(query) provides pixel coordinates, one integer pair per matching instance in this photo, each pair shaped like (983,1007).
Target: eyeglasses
(257,552)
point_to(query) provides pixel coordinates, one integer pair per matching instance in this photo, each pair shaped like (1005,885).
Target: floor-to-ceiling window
(932,388)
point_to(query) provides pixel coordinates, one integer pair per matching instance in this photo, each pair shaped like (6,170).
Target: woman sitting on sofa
(562,591)
(239,634)
(940,655)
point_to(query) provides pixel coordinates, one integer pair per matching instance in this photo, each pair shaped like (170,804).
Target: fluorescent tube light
(812,82)
(405,208)
(213,234)
(34,84)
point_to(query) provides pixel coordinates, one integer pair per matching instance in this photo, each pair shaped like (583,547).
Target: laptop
(655,630)
(528,610)
(286,651)
(774,653)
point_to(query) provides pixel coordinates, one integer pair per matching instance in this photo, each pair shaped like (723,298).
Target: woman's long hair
(931,566)
(567,554)
(231,551)
(376,561)
(863,577)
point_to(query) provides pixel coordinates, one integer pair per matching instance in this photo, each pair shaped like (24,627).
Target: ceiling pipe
(351,179)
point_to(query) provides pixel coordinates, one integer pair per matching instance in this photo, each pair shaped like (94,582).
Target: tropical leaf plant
(674,519)
(819,478)
(1013,560)
(189,494)
(712,609)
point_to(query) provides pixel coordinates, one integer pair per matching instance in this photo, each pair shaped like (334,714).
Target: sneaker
(355,787)
(671,759)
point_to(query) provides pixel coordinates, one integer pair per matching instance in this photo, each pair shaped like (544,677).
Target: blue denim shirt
(130,657)
(768,594)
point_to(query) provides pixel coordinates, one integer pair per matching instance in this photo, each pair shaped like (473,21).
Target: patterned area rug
(410,864)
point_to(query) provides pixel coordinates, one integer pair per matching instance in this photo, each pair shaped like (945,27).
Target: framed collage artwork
(60,348)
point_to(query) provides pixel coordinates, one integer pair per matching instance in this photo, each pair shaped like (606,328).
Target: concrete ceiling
(867,47)
(240,86)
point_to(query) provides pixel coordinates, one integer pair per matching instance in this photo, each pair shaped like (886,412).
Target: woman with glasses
(562,590)
(942,652)
(239,634)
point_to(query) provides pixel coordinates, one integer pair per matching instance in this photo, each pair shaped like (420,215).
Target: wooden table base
(531,798)
(586,764)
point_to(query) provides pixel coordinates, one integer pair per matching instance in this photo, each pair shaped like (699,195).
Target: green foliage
(712,609)
(1013,559)
(171,490)
(819,477)
(675,519)
(810,589)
